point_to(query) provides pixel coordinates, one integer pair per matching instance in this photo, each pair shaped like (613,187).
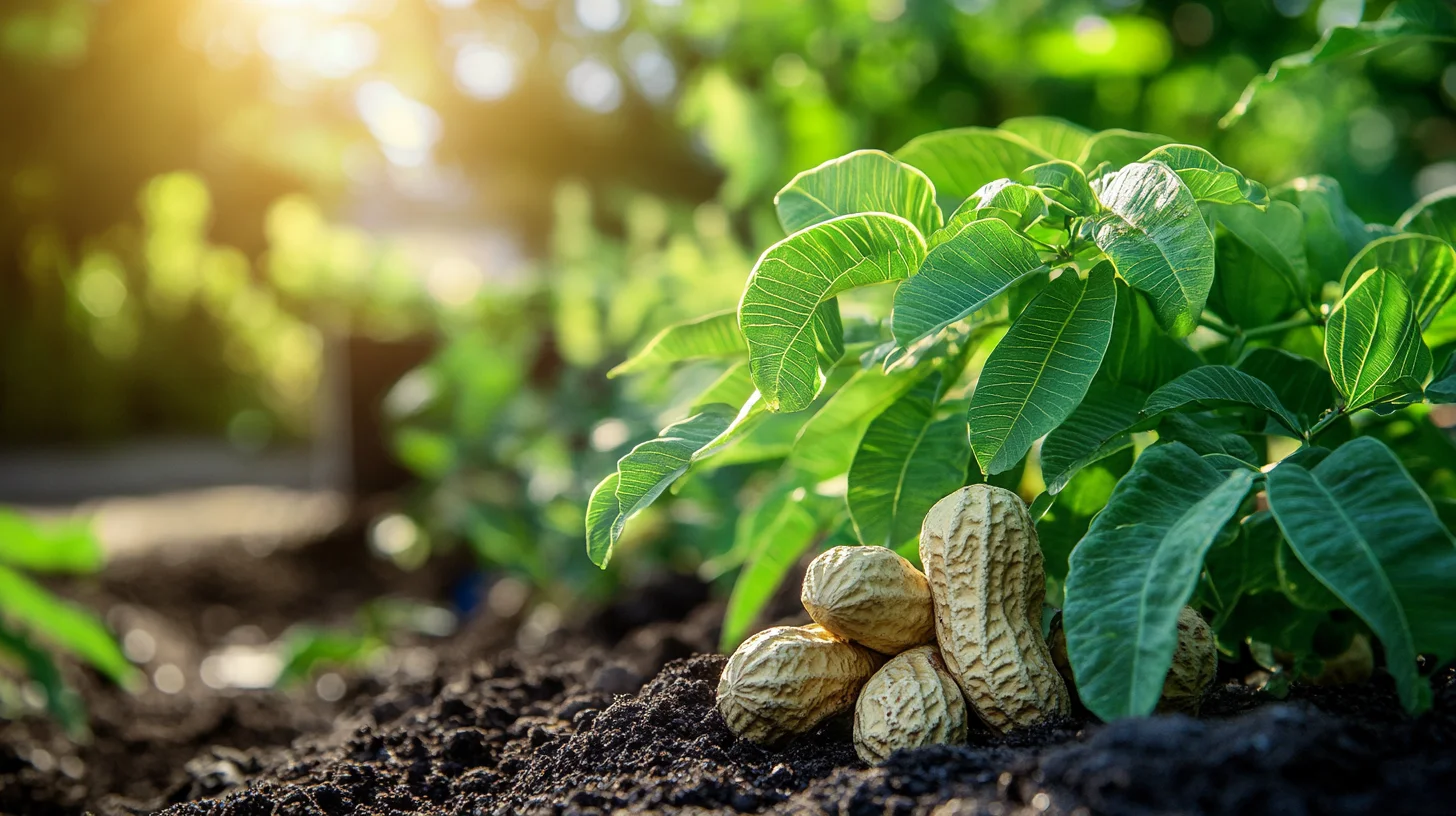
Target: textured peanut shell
(1195,664)
(870,595)
(784,681)
(987,584)
(910,702)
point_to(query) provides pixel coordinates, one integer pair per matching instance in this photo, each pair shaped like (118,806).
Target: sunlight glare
(405,128)
(485,71)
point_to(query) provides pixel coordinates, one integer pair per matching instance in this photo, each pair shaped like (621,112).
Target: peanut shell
(910,702)
(870,595)
(987,585)
(784,681)
(1195,664)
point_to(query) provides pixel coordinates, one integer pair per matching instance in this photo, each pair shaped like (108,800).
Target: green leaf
(1433,215)
(602,511)
(964,160)
(1117,147)
(63,703)
(1139,354)
(1208,178)
(826,444)
(1135,570)
(1275,237)
(1300,586)
(1297,382)
(1065,521)
(1099,427)
(1157,239)
(1055,137)
(1363,527)
(796,276)
(1405,22)
(865,181)
(714,335)
(1373,342)
(1244,565)
(26,604)
(1442,390)
(1039,372)
(1065,183)
(912,456)
(788,532)
(1017,204)
(960,276)
(1332,232)
(1427,265)
(1207,439)
(67,546)
(1215,385)
(733,387)
(654,465)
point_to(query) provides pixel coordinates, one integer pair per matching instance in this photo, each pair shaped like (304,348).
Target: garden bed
(617,711)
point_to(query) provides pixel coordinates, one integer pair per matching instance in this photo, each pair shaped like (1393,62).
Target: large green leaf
(1405,22)
(27,605)
(1215,385)
(963,160)
(1426,264)
(1332,231)
(1055,137)
(1442,388)
(1373,342)
(1244,565)
(1433,215)
(1275,237)
(654,465)
(1065,183)
(1099,427)
(911,456)
(960,276)
(1135,570)
(1118,147)
(786,533)
(1018,205)
(733,387)
(1157,239)
(1139,354)
(1364,528)
(67,546)
(714,335)
(1037,375)
(826,444)
(1212,437)
(865,181)
(1298,382)
(1208,178)
(602,511)
(796,276)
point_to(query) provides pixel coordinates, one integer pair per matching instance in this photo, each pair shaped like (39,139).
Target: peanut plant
(1207,390)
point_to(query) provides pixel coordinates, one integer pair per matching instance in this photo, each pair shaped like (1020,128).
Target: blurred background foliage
(198,196)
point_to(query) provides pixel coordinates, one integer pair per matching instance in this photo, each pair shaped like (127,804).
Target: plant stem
(1323,423)
(1208,320)
(1302,319)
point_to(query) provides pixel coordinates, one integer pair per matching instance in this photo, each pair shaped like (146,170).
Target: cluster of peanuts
(915,654)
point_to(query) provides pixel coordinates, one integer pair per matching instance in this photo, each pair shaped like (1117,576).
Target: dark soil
(616,714)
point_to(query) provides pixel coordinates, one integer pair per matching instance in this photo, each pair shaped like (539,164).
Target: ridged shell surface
(786,680)
(987,585)
(1195,664)
(910,702)
(870,595)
